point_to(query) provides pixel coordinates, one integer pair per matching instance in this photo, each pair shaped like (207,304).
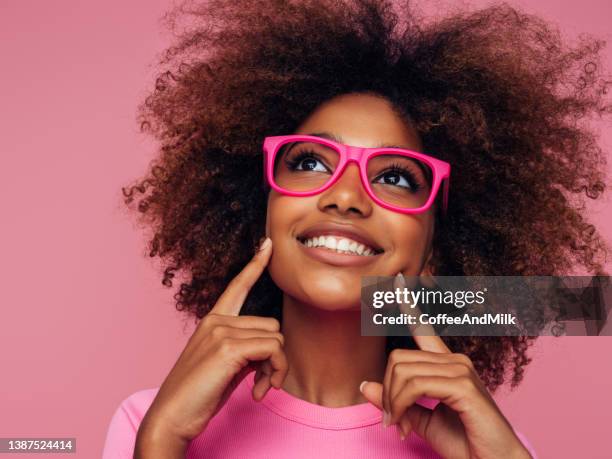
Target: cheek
(282,213)
(411,241)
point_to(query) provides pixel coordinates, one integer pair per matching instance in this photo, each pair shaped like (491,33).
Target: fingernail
(267,241)
(386,418)
(401,432)
(363,383)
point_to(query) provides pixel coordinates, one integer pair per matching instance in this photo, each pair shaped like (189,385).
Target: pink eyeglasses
(401,180)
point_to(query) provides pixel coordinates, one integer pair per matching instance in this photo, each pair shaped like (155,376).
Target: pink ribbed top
(280,426)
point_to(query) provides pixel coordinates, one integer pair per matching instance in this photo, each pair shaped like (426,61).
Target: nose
(347,195)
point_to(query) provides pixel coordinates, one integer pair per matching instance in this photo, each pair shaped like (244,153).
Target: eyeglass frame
(360,155)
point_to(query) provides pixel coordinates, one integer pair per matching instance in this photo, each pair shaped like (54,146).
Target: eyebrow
(327,135)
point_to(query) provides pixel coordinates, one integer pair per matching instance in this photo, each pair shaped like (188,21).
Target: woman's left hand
(465,424)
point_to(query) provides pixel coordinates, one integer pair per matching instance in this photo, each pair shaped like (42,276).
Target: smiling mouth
(341,245)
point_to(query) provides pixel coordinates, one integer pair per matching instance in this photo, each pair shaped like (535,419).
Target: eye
(399,176)
(306,161)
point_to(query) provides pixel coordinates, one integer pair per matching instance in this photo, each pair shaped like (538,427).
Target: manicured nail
(363,383)
(265,244)
(386,419)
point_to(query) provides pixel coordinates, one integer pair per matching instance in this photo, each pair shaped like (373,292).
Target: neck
(328,358)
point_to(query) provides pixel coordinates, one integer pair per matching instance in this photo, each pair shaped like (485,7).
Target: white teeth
(341,245)
(331,243)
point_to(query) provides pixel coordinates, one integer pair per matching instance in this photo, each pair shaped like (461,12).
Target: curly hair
(495,92)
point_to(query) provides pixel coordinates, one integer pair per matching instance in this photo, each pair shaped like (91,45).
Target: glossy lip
(335,258)
(342,230)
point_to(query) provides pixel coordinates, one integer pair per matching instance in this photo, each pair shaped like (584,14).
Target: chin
(330,293)
(327,288)
(329,303)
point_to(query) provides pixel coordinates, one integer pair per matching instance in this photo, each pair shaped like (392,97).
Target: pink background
(84,319)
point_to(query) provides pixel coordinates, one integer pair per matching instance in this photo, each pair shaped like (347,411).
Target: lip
(336,229)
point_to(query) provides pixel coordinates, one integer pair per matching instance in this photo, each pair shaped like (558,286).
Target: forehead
(362,120)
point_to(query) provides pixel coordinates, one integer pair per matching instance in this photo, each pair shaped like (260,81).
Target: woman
(477,93)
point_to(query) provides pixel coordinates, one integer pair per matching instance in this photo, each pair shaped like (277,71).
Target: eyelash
(416,186)
(293,162)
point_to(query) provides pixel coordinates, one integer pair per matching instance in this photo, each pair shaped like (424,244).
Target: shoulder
(123,427)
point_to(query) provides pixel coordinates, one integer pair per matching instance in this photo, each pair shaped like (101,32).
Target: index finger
(231,300)
(424,335)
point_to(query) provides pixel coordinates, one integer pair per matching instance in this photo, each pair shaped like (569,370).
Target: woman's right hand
(223,349)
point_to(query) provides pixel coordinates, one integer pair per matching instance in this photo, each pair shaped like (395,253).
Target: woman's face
(329,280)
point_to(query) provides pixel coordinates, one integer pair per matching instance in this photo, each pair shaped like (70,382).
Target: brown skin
(321,314)
(321,301)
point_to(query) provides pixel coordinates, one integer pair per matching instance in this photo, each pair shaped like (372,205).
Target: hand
(465,424)
(223,349)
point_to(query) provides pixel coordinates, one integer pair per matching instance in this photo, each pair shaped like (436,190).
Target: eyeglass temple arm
(445,194)
(264,182)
